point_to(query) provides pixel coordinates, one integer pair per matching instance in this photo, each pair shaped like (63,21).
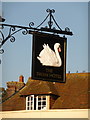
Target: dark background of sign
(55,74)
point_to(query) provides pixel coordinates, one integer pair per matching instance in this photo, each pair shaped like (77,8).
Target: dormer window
(34,102)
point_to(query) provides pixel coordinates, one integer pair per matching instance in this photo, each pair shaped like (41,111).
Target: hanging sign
(49,57)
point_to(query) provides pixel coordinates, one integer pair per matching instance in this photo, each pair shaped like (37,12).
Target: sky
(17,58)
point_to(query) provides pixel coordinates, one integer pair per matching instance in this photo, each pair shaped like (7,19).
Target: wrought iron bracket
(13,29)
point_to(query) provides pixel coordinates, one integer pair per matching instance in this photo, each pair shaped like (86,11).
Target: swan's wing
(44,56)
(43,51)
(47,56)
(52,55)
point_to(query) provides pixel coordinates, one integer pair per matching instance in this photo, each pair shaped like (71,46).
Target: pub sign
(49,57)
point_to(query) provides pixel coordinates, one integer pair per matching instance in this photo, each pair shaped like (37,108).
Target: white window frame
(30,102)
(39,103)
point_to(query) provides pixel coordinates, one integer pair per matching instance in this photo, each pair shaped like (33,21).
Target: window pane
(39,108)
(31,103)
(35,103)
(28,98)
(31,98)
(44,103)
(44,98)
(39,103)
(28,103)
(39,98)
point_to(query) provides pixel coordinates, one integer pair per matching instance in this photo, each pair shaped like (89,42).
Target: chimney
(21,78)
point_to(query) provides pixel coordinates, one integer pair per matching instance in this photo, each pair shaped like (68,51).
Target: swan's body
(48,57)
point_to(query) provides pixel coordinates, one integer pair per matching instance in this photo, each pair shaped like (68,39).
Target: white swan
(48,57)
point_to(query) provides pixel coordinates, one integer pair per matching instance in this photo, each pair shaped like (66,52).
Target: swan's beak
(59,49)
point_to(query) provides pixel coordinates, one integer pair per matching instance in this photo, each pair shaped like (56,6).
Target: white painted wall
(69,113)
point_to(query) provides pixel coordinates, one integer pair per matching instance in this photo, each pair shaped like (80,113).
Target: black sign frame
(48,73)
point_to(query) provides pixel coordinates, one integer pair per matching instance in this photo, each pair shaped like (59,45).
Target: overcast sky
(18,55)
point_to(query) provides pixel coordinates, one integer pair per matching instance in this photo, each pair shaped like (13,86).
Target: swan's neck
(58,56)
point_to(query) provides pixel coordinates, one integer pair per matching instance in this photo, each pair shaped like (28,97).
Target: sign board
(49,57)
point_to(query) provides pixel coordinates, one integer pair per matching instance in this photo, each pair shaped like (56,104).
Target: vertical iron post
(50,22)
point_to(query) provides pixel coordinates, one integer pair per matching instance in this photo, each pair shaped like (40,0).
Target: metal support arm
(13,29)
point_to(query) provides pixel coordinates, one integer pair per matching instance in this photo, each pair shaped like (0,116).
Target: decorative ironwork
(1,51)
(31,24)
(51,19)
(12,39)
(2,19)
(25,32)
(67,29)
(13,29)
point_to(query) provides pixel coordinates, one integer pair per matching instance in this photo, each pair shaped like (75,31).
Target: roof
(72,95)
(2,89)
(13,103)
(38,87)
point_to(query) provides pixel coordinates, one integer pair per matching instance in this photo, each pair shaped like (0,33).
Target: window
(37,102)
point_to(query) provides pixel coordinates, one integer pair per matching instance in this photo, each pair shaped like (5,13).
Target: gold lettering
(53,76)
(49,70)
(42,74)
